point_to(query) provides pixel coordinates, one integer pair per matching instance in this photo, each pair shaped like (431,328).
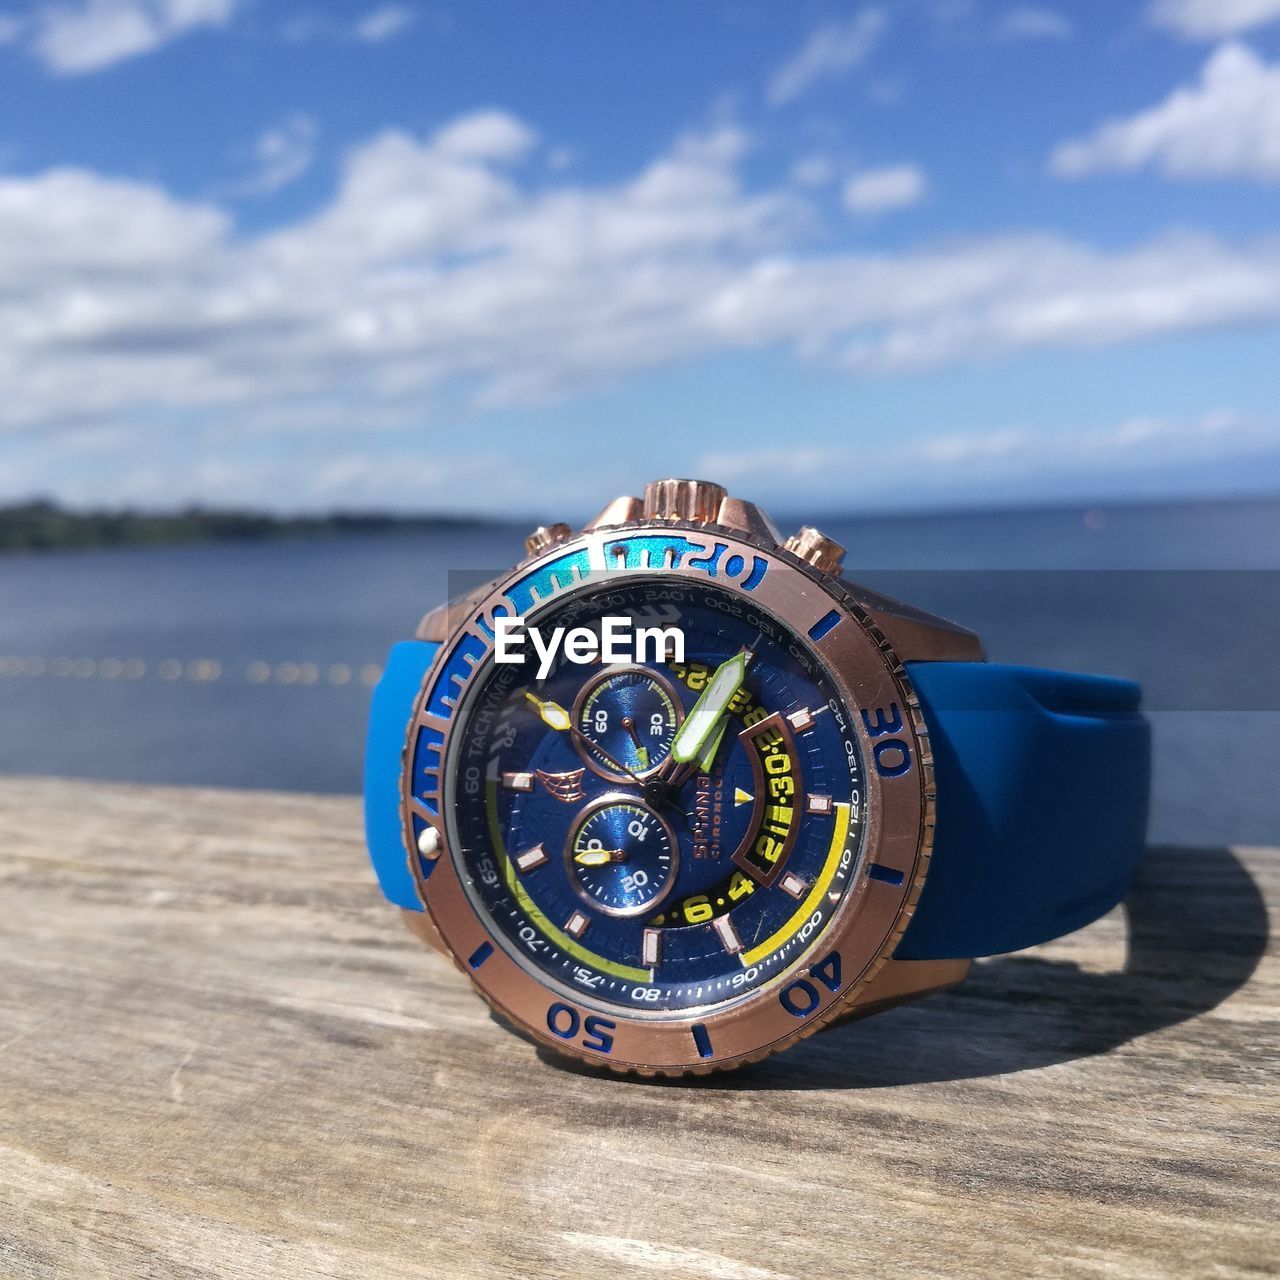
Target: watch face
(627,881)
(661,861)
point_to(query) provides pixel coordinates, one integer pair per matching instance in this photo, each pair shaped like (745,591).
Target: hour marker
(702,1041)
(886,875)
(651,947)
(728,934)
(531,858)
(801,720)
(792,884)
(741,797)
(517,782)
(824,624)
(818,804)
(429,842)
(576,925)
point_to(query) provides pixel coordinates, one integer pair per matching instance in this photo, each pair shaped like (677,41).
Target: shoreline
(40,527)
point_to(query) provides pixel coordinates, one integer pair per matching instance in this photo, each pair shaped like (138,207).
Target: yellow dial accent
(538,919)
(820,886)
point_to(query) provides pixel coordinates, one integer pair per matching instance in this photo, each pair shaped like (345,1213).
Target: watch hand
(552,713)
(642,752)
(554,716)
(706,761)
(705,715)
(616,765)
(599,857)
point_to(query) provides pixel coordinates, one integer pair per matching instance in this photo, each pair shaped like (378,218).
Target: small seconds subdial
(622,857)
(632,714)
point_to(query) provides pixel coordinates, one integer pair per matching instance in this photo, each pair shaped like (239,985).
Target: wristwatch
(673,794)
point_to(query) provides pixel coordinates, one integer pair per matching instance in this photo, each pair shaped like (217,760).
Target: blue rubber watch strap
(389,717)
(1042,782)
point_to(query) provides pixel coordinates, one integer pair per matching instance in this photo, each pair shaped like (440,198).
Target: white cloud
(561,158)
(73,38)
(374,26)
(1225,126)
(384,23)
(281,156)
(1030,22)
(414,470)
(992,298)
(1213,19)
(442,275)
(406,478)
(813,170)
(971,461)
(485,135)
(829,51)
(884,190)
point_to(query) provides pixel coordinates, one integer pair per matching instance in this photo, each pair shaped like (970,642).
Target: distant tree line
(41,525)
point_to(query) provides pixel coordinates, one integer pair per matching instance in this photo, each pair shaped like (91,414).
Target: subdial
(632,714)
(622,857)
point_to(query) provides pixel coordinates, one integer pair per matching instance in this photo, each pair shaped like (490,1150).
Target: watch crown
(815,548)
(546,535)
(696,500)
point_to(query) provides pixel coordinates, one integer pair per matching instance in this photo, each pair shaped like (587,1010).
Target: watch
(673,794)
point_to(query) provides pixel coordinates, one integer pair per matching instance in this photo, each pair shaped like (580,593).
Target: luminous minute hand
(705,715)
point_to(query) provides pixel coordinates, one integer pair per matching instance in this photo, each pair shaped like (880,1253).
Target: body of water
(247,665)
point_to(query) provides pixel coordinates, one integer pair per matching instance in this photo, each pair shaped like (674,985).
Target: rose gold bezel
(897,819)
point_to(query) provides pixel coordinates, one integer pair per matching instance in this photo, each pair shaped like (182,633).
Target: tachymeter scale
(702,928)
(622,856)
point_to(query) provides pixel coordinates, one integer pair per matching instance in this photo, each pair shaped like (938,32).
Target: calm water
(245,665)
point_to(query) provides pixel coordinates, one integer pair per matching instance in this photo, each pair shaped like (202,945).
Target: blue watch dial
(620,876)
(632,713)
(622,856)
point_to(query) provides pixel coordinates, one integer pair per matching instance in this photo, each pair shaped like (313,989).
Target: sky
(502,257)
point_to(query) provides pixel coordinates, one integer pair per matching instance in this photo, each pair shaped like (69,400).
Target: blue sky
(513,257)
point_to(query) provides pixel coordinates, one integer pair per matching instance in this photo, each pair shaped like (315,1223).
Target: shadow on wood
(1196,930)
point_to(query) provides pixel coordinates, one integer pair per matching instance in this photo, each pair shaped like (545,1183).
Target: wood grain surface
(222,1055)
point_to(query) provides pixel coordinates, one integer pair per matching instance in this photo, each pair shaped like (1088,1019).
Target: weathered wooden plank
(222,1055)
